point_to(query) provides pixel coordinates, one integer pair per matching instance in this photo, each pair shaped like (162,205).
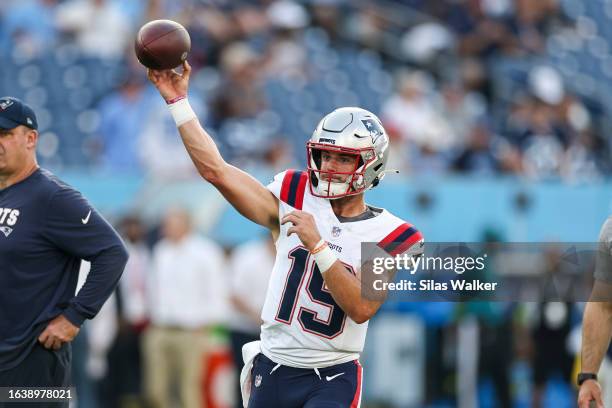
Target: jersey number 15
(317,293)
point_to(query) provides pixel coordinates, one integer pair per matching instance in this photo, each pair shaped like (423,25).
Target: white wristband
(325,259)
(181,112)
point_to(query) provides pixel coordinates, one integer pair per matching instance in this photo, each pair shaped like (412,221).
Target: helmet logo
(374,127)
(330,141)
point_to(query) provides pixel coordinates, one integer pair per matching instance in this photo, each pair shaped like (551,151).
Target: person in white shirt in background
(98,26)
(250,267)
(186,297)
(122,384)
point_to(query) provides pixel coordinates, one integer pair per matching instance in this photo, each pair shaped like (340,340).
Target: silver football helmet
(350,131)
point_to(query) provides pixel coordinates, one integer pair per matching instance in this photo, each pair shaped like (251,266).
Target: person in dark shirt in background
(46,229)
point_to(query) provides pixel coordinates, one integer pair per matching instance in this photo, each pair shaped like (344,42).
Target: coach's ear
(31,138)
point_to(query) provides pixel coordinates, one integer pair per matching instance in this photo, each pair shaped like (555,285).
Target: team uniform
(308,355)
(309,346)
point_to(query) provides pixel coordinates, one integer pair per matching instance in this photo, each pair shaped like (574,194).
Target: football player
(314,317)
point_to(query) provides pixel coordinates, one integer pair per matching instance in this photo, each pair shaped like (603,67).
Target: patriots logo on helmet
(374,127)
(6,231)
(5,103)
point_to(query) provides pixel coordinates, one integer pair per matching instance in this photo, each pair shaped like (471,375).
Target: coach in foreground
(46,229)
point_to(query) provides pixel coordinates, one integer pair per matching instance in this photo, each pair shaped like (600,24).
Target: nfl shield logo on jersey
(336,231)
(257,380)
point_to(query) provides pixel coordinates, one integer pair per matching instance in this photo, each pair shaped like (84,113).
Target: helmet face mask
(335,184)
(347,131)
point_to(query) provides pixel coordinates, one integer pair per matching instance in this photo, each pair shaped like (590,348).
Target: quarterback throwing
(314,317)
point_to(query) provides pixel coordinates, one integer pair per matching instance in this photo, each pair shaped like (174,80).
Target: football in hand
(162,44)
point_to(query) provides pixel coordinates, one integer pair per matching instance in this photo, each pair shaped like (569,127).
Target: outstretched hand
(169,82)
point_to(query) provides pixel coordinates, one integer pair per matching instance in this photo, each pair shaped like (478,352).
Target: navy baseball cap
(14,112)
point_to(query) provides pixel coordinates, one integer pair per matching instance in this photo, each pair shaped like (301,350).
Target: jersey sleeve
(404,239)
(76,228)
(603,261)
(290,187)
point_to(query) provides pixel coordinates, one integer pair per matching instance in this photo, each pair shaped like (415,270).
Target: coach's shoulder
(63,200)
(44,187)
(52,183)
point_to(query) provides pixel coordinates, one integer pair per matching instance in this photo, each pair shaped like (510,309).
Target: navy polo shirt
(46,229)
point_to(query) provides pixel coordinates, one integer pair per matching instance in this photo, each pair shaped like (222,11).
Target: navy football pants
(339,386)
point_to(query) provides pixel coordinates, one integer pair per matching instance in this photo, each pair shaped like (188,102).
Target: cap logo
(5,104)
(29,121)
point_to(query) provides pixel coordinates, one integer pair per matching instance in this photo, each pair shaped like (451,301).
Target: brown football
(162,44)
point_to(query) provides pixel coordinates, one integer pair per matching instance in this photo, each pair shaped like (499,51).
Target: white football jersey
(302,324)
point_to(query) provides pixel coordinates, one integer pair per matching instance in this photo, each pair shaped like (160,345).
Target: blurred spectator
(326,14)
(546,84)
(239,102)
(475,79)
(98,27)
(368,25)
(543,156)
(186,297)
(551,359)
(285,56)
(461,109)
(426,41)
(412,113)
(287,15)
(132,301)
(532,20)
(159,151)
(82,380)
(87,350)
(495,342)
(551,325)
(412,117)
(479,155)
(483,32)
(278,156)
(475,52)
(122,116)
(211,29)
(250,268)
(28,27)
(580,163)
(240,94)
(121,386)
